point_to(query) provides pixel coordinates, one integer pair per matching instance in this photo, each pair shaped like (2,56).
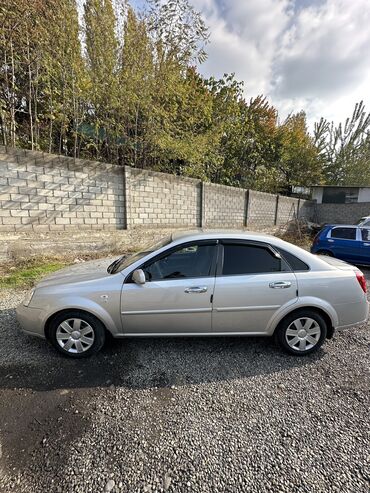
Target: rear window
(344,233)
(294,262)
(242,259)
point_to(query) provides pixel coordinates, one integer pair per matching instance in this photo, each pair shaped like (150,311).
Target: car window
(344,233)
(367,223)
(365,234)
(194,260)
(249,259)
(124,261)
(294,262)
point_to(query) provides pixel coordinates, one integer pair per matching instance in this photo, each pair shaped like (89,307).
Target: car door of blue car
(365,246)
(344,243)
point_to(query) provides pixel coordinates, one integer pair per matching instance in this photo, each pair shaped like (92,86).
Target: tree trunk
(12,99)
(30,92)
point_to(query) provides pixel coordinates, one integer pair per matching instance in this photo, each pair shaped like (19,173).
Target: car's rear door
(364,246)
(252,283)
(176,297)
(345,243)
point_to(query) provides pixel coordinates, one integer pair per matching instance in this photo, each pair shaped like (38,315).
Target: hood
(83,271)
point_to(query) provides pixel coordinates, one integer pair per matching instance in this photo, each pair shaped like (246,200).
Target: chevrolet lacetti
(199,284)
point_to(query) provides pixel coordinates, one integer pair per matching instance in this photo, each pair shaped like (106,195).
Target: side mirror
(138,276)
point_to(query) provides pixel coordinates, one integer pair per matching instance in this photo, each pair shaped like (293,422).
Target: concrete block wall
(46,192)
(307,209)
(342,213)
(287,209)
(261,210)
(161,200)
(224,207)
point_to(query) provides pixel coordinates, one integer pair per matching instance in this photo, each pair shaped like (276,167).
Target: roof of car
(217,233)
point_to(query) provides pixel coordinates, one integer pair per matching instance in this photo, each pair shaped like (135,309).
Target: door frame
(179,246)
(231,241)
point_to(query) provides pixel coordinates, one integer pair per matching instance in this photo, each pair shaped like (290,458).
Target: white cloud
(303,54)
(244,38)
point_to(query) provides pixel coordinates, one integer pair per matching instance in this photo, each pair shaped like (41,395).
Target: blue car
(346,242)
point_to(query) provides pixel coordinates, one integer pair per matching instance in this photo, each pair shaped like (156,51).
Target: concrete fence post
(126,198)
(276,210)
(202,204)
(246,208)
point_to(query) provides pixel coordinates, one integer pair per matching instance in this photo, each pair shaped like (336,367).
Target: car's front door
(252,284)
(176,297)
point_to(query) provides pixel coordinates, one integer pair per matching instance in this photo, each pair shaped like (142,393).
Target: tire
(76,334)
(303,325)
(328,253)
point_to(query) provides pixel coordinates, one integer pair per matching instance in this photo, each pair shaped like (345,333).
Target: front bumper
(31,320)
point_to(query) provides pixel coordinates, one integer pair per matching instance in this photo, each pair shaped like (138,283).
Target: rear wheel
(77,334)
(325,252)
(302,332)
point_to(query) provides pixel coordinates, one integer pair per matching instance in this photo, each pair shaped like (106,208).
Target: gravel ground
(200,415)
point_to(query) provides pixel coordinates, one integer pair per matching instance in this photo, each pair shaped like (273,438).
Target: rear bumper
(31,320)
(362,311)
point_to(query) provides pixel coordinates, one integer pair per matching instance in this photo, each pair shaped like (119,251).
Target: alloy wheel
(303,334)
(74,335)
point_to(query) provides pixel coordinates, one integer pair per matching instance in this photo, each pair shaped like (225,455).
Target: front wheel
(302,332)
(77,334)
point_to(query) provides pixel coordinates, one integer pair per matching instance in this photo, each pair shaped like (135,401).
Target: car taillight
(362,281)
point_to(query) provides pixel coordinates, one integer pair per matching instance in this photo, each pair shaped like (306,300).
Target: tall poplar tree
(102,57)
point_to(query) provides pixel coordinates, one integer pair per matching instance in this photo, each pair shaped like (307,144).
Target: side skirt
(194,334)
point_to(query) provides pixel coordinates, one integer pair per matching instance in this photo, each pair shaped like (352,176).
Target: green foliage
(299,162)
(25,275)
(345,149)
(124,87)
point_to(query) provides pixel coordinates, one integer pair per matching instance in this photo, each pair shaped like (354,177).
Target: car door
(344,243)
(253,282)
(176,297)
(364,255)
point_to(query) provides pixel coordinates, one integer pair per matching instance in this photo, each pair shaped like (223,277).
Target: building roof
(340,186)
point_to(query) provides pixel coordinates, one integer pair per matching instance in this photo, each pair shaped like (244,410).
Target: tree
(64,81)
(101,57)
(344,149)
(136,89)
(299,162)
(179,31)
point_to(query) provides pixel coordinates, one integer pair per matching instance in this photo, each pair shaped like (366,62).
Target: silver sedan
(199,284)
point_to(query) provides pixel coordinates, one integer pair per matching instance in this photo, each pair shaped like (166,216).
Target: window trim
(294,270)
(266,246)
(343,227)
(179,246)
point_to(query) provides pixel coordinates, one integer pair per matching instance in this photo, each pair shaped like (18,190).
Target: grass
(26,274)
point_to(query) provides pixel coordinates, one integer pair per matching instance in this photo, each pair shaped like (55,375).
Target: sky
(311,55)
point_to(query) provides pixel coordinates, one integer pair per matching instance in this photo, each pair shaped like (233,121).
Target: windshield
(123,262)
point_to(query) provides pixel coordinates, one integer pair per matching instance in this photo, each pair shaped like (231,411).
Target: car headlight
(28,297)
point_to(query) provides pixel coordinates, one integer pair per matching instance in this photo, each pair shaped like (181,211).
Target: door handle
(366,244)
(331,241)
(280,284)
(196,289)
